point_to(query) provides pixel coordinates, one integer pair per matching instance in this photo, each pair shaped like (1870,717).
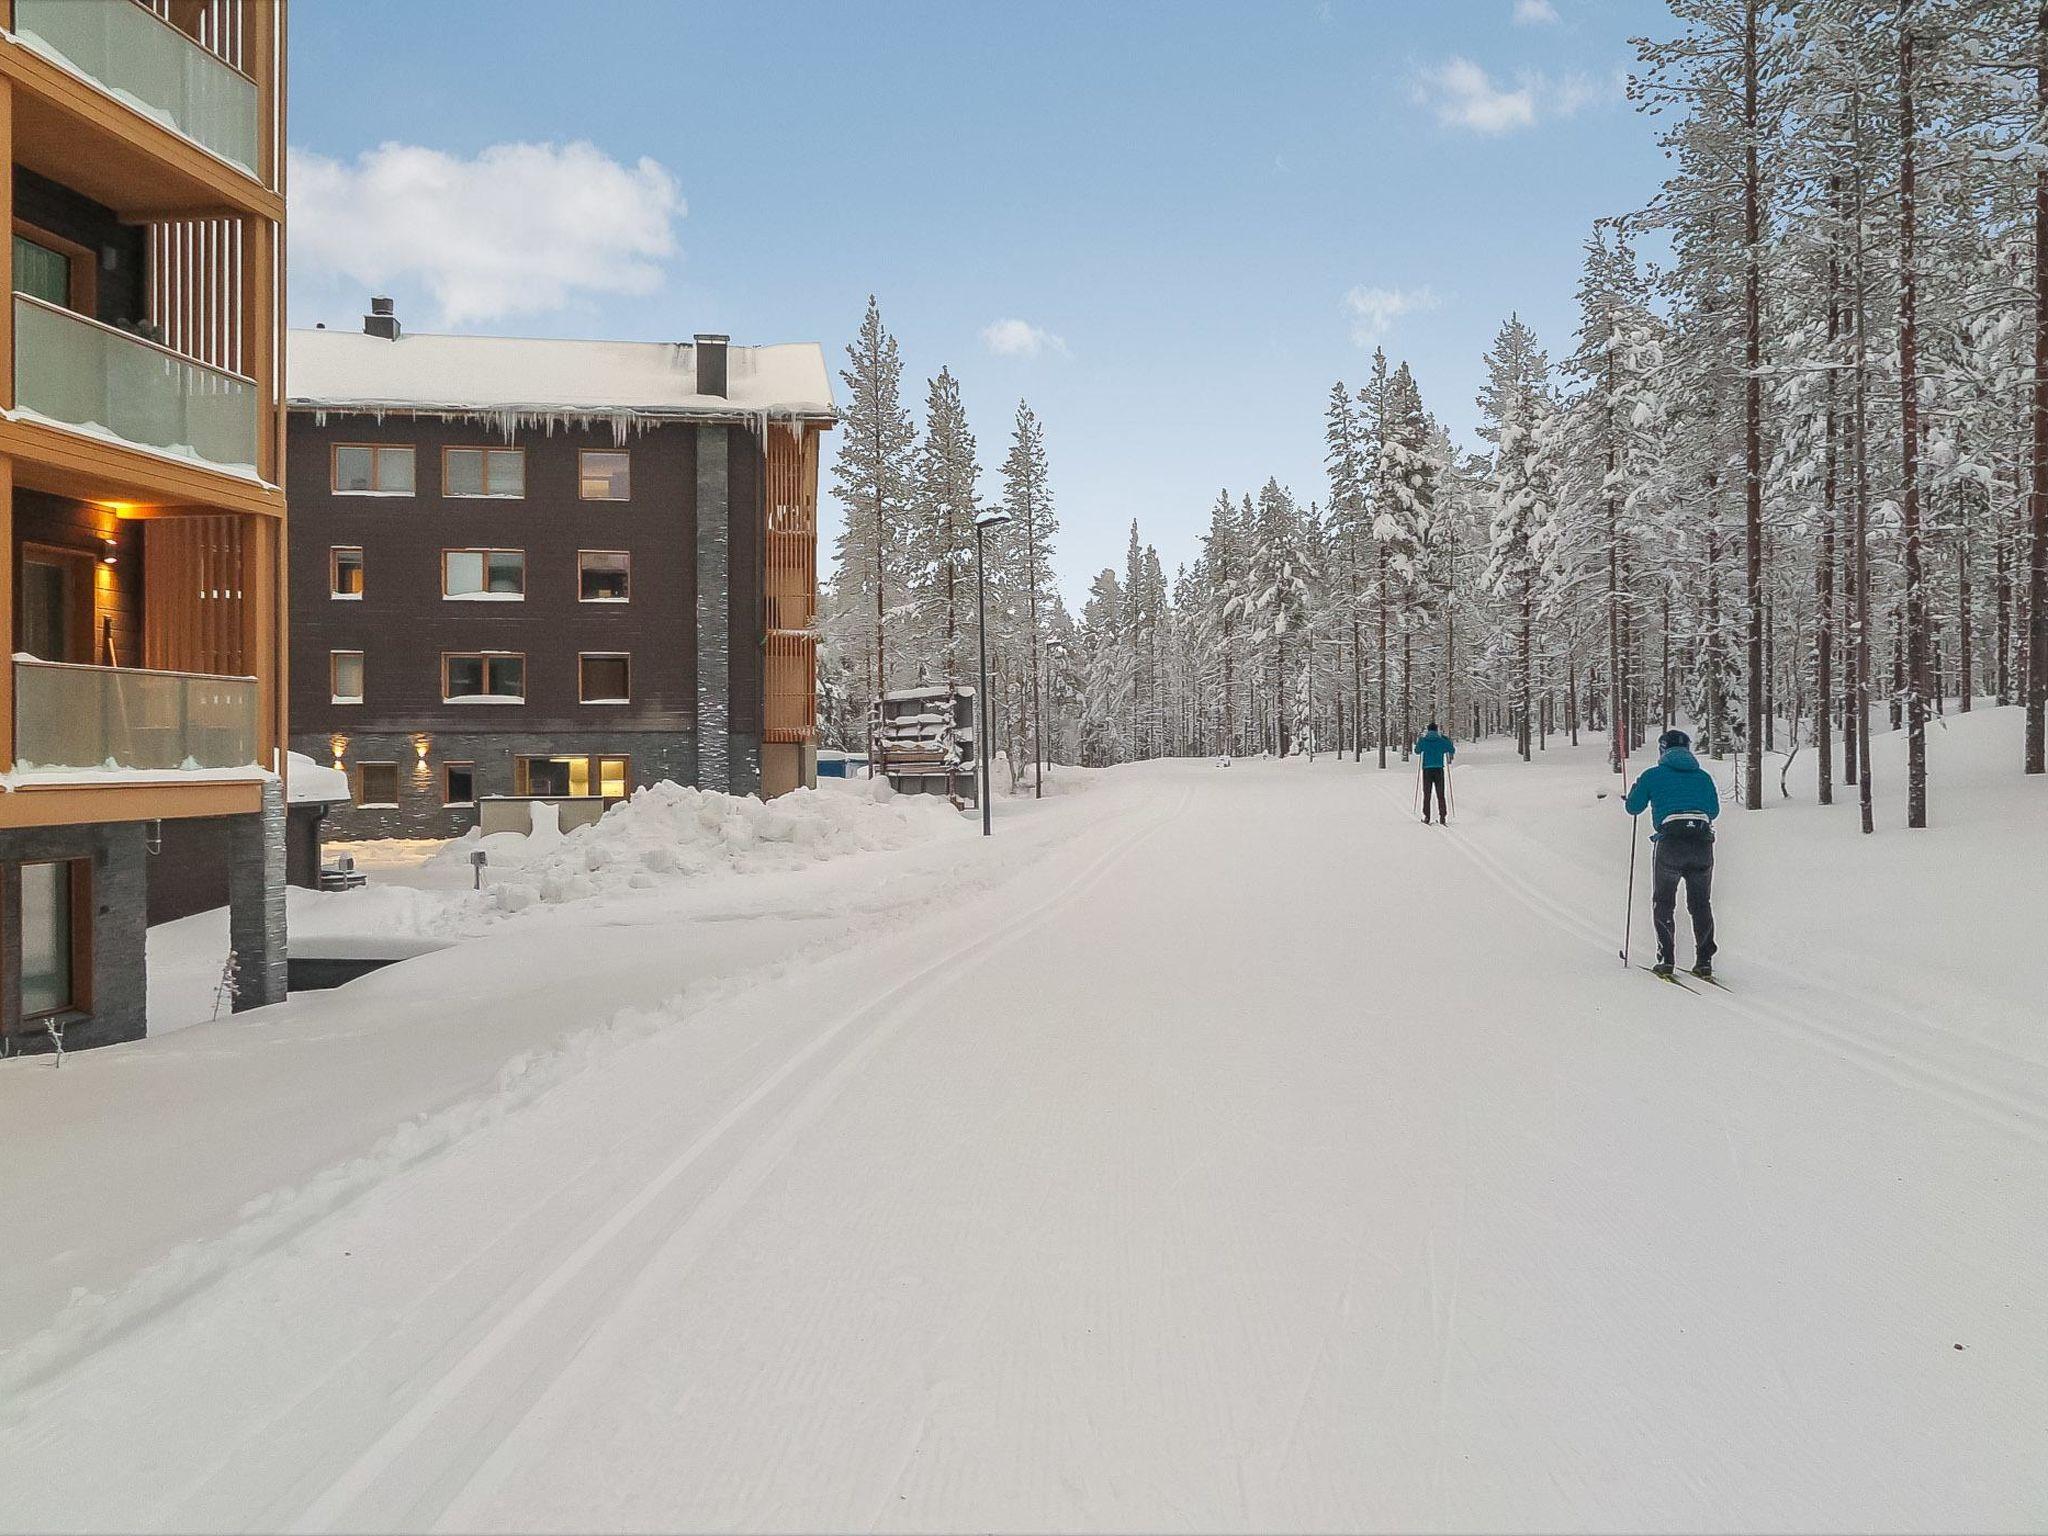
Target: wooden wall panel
(194,617)
(790,585)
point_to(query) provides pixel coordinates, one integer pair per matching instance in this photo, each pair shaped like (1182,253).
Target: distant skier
(1436,750)
(1683,804)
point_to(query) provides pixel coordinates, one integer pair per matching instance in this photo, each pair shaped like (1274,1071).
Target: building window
(377,784)
(553,777)
(345,677)
(483,472)
(458,783)
(50,937)
(605,474)
(42,272)
(345,571)
(372,470)
(483,677)
(483,573)
(566,777)
(604,678)
(603,575)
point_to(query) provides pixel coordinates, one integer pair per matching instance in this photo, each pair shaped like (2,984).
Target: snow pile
(669,832)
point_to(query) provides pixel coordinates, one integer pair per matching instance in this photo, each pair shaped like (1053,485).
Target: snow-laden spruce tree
(939,548)
(1027,497)
(1279,595)
(1348,563)
(1523,529)
(1373,406)
(1224,563)
(1105,673)
(1402,529)
(875,480)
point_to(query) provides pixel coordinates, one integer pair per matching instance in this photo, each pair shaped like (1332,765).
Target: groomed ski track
(1255,1159)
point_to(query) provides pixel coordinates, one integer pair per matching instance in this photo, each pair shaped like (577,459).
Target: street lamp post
(983,521)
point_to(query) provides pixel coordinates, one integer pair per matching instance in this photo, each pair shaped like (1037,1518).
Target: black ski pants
(1433,781)
(1691,863)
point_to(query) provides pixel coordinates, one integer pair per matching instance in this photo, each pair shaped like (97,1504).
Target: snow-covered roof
(537,378)
(940,691)
(308,782)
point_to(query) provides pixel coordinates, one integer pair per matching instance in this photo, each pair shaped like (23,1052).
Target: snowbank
(668,832)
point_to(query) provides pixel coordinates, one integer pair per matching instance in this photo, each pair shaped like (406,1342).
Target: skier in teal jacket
(1683,803)
(1436,750)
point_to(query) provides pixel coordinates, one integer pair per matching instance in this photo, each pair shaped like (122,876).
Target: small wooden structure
(924,742)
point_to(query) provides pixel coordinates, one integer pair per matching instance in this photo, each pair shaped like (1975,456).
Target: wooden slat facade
(790,584)
(195,612)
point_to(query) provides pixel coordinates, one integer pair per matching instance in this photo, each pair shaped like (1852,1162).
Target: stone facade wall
(714,597)
(116,853)
(256,920)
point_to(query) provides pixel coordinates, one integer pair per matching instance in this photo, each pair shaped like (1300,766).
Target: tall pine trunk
(1383,654)
(1915,615)
(1824,573)
(1528,614)
(2037,554)
(1752,418)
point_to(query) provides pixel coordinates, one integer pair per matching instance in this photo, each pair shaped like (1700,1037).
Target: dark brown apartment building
(550,568)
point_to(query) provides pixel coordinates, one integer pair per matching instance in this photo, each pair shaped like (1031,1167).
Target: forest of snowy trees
(1787,481)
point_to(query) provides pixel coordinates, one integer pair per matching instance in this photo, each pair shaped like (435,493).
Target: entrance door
(56,605)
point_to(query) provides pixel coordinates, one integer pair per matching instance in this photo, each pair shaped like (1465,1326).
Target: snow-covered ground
(1212,1149)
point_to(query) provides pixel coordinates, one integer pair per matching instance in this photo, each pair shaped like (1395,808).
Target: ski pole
(1418,792)
(1451,789)
(1629,917)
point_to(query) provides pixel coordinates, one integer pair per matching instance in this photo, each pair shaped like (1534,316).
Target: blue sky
(1195,216)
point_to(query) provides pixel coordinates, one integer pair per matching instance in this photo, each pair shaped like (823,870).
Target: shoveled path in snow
(1260,1160)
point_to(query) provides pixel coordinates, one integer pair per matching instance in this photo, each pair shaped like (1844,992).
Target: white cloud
(1535,13)
(519,228)
(1373,311)
(1020,338)
(1463,95)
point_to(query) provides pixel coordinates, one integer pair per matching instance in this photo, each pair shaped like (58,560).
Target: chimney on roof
(382,320)
(711,348)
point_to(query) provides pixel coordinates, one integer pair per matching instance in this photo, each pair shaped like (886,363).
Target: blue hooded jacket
(1435,747)
(1678,783)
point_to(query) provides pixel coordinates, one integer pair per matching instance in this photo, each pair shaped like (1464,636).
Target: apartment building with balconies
(142,508)
(555,569)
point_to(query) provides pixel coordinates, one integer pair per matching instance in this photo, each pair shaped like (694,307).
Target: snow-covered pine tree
(1402,527)
(1524,491)
(1027,497)
(939,549)
(874,478)
(1279,595)
(1522,528)
(1350,540)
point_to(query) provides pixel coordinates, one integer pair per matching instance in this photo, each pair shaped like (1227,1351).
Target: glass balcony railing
(151,65)
(93,718)
(91,376)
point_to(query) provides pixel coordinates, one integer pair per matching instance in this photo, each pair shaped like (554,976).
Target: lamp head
(984,521)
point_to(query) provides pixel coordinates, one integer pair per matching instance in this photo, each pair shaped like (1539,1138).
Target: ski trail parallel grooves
(330,1506)
(2018,1115)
